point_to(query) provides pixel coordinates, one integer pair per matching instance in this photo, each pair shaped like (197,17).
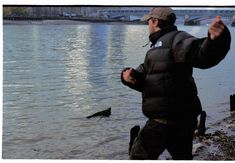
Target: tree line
(15,11)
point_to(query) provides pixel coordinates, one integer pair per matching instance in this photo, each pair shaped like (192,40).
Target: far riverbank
(42,22)
(64,22)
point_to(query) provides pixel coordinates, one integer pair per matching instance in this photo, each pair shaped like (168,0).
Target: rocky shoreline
(217,144)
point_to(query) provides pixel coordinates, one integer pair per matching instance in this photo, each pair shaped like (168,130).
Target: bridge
(187,16)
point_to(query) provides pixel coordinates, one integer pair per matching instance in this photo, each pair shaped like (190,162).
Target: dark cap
(162,13)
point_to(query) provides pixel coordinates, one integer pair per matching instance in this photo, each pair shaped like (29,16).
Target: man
(169,93)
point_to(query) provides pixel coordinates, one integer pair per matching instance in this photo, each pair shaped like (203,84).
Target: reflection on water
(54,76)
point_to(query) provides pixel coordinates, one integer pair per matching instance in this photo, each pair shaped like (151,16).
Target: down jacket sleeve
(201,53)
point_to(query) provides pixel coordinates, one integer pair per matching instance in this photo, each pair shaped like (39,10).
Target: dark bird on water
(104,113)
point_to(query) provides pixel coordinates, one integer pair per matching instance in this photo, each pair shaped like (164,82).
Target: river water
(56,75)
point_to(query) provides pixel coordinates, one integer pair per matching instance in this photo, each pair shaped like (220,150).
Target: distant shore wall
(62,21)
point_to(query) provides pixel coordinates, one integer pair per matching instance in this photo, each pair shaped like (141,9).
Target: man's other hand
(216,28)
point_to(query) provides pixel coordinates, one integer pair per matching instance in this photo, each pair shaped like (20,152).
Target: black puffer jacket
(165,78)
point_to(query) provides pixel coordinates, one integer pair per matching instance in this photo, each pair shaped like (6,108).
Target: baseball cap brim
(145,17)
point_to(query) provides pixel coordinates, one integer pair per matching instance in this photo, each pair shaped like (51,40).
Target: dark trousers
(155,137)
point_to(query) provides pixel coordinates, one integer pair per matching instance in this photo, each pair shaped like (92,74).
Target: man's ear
(155,23)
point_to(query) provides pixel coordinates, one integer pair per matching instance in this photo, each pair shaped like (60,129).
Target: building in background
(186,15)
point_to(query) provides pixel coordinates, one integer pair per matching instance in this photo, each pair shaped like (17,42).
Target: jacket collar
(155,36)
